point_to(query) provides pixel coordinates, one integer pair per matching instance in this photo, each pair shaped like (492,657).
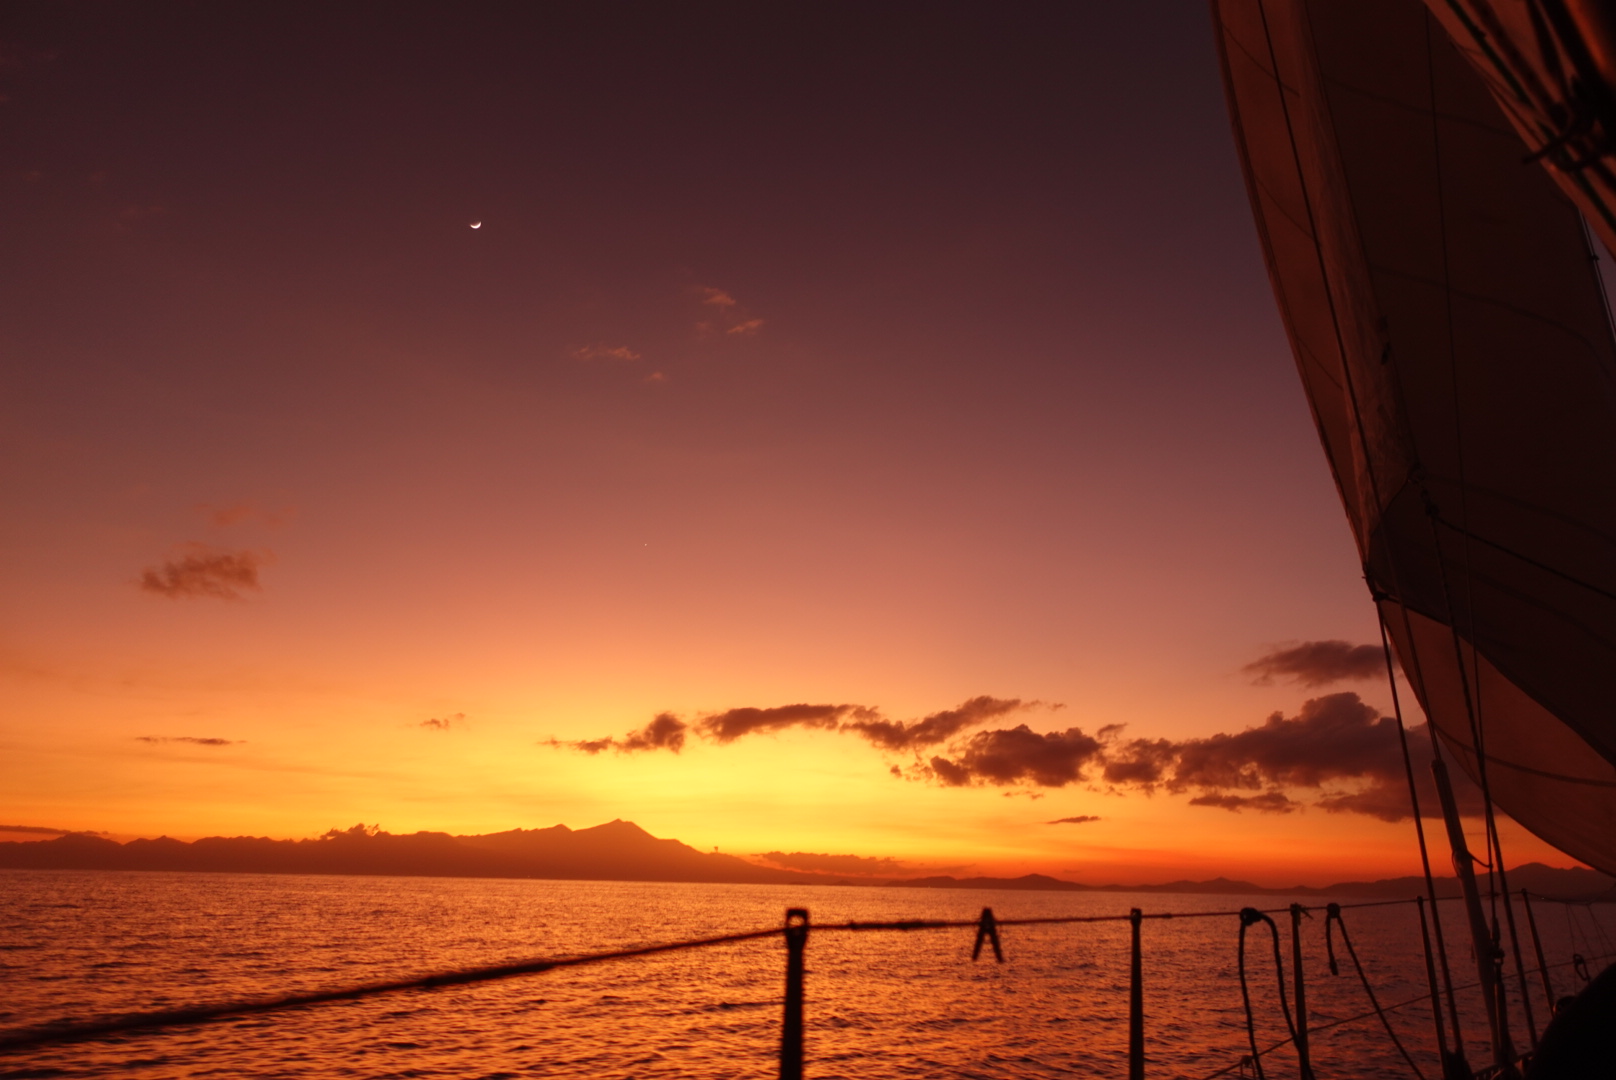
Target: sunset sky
(878,357)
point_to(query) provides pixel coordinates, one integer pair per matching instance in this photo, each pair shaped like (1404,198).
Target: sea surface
(84,946)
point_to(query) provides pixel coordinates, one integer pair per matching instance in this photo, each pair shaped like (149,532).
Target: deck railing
(795,932)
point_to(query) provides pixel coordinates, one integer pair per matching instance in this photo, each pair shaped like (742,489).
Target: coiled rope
(1245,1060)
(1250,917)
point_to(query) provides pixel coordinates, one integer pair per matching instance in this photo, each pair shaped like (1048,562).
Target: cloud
(1143,762)
(847,718)
(40,830)
(655,377)
(937,728)
(194,739)
(444,723)
(1332,741)
(1269,802)
(730,316)
(1335,745)
(1081,819)
(1337,736)
(665,732)
(204,571)
(1319,663)
(855,865)
(1018,755)
(605,352)
(731,724)
(1386,794)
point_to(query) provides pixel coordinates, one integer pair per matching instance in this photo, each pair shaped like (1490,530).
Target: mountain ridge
(620,850)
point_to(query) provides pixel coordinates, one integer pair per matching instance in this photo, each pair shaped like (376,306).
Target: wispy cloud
(668,731)
(729,316)
(41,830)
(194,739)
(937,728)
(200,571)
(1081,819)
(605,352)
(444,723)
(1269,802)
(1319,663)
(665,732)
(732,724)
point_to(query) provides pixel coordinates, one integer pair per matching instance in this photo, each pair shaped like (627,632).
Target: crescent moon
(476,224)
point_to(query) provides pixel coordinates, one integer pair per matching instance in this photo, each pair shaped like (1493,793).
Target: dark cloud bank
(1336,746)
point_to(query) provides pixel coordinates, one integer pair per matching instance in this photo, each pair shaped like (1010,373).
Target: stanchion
(1303,1052)
(987,929)
(791,1026)
(1136,1005)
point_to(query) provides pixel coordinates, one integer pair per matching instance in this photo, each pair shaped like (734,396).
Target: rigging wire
(1454,1065)
(1497,881)
(1369,470)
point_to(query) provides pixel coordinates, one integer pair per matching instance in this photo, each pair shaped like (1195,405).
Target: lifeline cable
(50,1035)
(1333,914)
(203,1014)
(1456,1064)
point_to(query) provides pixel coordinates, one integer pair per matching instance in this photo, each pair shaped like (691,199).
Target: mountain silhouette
(622,851)
(616,851)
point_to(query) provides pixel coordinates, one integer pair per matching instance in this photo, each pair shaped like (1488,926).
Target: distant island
(622,851)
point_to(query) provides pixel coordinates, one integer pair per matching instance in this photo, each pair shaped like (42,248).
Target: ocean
(83,946)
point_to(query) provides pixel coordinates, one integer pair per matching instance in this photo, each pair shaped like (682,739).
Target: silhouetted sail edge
(1550,73)
(1452,338)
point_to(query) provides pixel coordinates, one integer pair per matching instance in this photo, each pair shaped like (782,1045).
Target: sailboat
(1424,178)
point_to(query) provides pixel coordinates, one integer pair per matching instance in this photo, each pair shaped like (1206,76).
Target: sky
(405,406)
